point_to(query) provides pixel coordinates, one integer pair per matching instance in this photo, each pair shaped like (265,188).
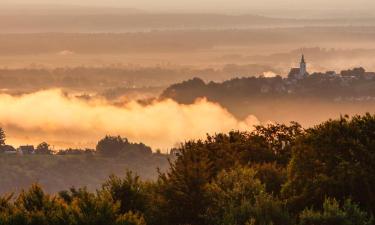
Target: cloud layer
(71,122)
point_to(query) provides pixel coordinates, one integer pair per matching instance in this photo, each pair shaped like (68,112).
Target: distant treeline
(21,167)
(107,20)
(110,77)
(277,174)
(179,40)
(349,83)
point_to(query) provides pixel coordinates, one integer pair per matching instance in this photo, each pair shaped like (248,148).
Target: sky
(239,6)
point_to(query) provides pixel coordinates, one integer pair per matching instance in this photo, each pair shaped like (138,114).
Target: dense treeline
(277,174)
(356,84)
(309,101)
(58,170)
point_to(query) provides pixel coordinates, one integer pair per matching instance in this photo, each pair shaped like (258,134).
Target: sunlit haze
(234,6)
(205,112)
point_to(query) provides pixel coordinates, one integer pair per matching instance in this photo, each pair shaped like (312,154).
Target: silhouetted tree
(128,191)
(280,139)
(2,137)
(184,185)
(114,145)
(43,148)
(111,145)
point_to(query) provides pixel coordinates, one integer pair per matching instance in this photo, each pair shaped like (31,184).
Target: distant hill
(66,18)
(56,9)
(309,101)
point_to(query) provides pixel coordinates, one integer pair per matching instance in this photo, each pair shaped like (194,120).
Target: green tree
(272,176)
(130,218)
(93,209)
(35,207)
(237,197)
(334,159)
(226,150)
(280,139)
(6,209)
(129,192)
(183,186)
(334,214)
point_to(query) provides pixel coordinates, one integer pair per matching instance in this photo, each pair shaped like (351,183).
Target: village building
(26,149)
(299,73)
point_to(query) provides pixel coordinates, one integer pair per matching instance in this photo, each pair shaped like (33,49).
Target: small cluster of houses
(296,75)
(301,73)
(21,150)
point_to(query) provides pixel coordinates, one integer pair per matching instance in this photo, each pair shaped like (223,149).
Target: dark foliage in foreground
(281,175)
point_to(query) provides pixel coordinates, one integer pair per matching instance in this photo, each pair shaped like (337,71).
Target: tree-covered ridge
(277,174)
(57,170)
(348,85)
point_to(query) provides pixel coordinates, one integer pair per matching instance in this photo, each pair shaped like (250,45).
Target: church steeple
(303,68)
(301,72)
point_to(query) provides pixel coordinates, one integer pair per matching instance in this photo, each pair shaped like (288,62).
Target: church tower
(302,68)
(299,73)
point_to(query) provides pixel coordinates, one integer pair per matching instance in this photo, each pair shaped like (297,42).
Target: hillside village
(41,149)
(355,84)
(109,145)
(301,73)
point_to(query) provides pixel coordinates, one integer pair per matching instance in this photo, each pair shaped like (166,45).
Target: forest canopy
(277,174)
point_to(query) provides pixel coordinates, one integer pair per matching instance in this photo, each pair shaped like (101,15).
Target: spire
(303,59)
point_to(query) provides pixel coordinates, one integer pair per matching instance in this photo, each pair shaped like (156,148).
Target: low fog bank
(66,121)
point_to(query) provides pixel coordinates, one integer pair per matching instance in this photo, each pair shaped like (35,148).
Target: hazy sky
(216,5)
